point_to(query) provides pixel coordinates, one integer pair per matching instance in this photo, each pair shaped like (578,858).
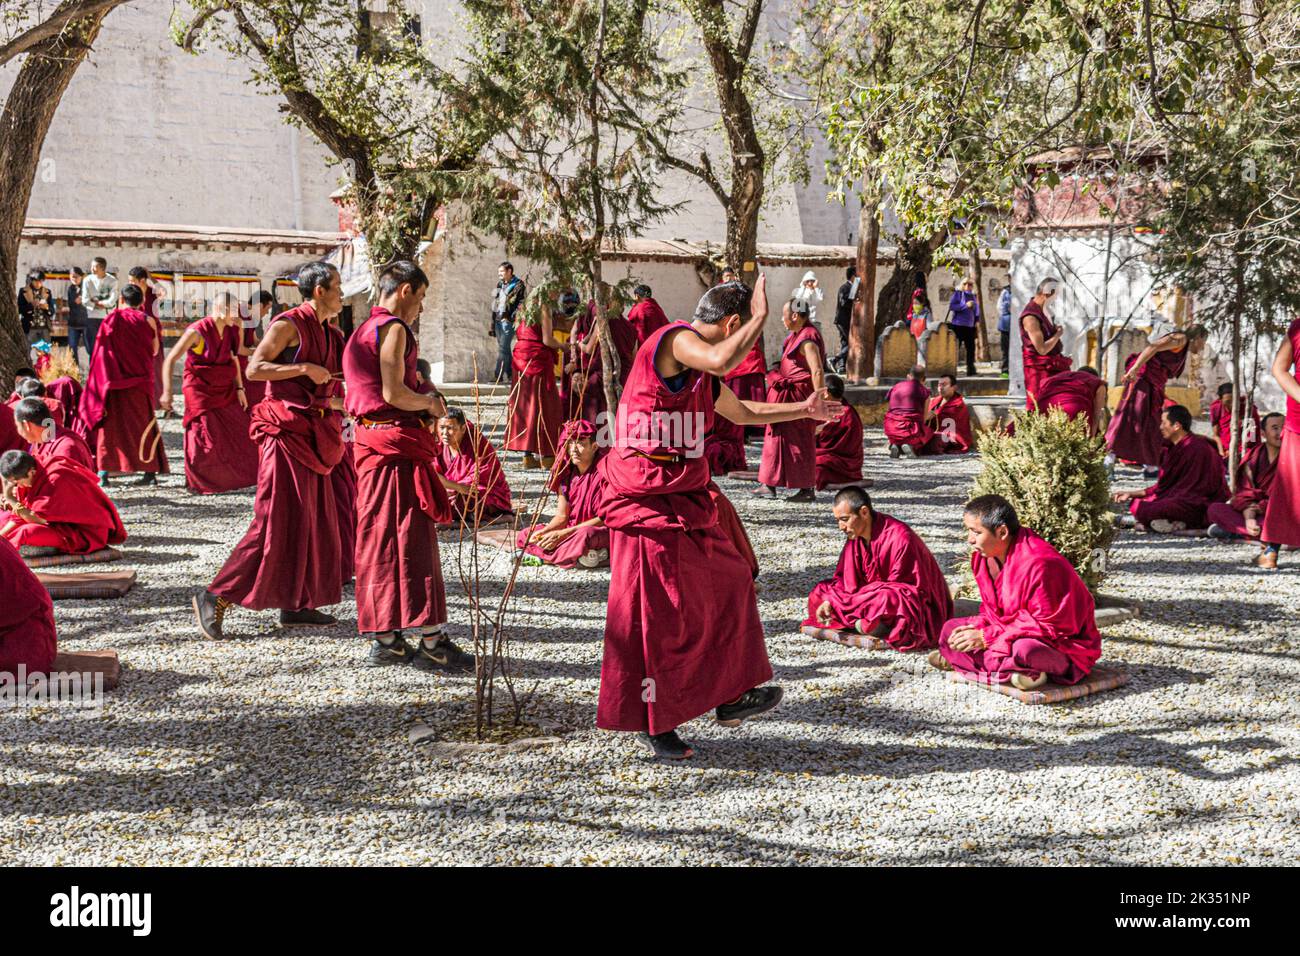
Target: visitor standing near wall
(36,307)
(76,313)
(1004,326)
(844,314)
(809,291)
(963,313)
(99,292)
(506,300)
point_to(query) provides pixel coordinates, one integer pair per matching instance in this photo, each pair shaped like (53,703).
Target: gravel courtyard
(279,748)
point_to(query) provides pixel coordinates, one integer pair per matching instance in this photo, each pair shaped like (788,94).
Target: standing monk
(1078,393)
(118,402)
(259,307)
(1040,342)
(673,648)
(839,442)
(625,345)
(399,498)
(790,446)
(1190,479)
(535,413)
(1282,520)
(140,278)
(219,454)
(291,558)
(646,317)
(748,381)
(1134,433)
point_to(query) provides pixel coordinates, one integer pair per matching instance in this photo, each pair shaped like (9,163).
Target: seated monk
(67,390)
(1248,421)
(839,442)
(1243,514)
(27,637)
(576,535)
(35,388)
(906,428)
(35,423)
(1081,392)
(9,437)
(887,584)
(467,464)
(1190,479)
(1036,621)
(950,418)
(56,507)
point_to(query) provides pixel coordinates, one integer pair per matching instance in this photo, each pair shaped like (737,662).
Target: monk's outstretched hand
(758,301)
(820,408)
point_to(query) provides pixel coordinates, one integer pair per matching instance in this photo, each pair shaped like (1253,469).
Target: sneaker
(1026,682)
(1267,560)
(667,746)
(1165,526)
(210,612)
(148,478)
(938,661)
(1219,533)
(750,704)
(307,617)
(595,558)
(443,656)
(803,495)
(384,655)
(909,451)
(895,451)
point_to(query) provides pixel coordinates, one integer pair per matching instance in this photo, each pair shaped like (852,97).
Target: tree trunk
(610,365)
(742,221)
(981,326)
(910,257)
(862,327)
(1234,444)
(24,123)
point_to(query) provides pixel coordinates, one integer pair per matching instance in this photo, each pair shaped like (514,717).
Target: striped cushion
(56,560)
(1101,679)
(87,584)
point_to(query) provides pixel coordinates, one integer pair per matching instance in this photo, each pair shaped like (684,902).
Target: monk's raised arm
(691,351)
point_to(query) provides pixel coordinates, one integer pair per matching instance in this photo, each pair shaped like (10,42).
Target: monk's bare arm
(741,412)
(1282,370)
(456,486)
(813,357)
(392,370)
(690,351)
(1034,329)
(262,368)
(183,345)
(548,330)
(1101,411)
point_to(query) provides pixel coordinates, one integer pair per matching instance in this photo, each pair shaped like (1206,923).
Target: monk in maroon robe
(1134,433)
(646,317)
(67,391)
(1221,421)
(625,345)
(1040,342)
(839,442)
(291,558)
(260,305)
(950,418)
(219,453)
(1080,394)
(887,583)
(748,381)
(536,416)
(468,467)
(117,405)
(1242,515)
(576,536)
(55,507)
(790,447)
(1282,520)
(399,498)
(1191,478)
(28,640)
(1037,618)
(9,437)
(140,278)
(675,649)
(36,425)
(907,419)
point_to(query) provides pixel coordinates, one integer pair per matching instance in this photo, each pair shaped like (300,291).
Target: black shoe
(209,612)
(804,494)
(750,704)
(667,746)
(148,478)
(443,656)
(895,451)
(306,618)
(382,655)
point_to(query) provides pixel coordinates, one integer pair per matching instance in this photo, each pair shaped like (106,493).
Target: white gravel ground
(280,748)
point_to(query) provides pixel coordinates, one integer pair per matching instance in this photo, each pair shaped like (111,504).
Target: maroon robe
(28,639)
(481,472)
(905,420)
(724,446)
(953,428)
(9,437)
(1038,368)
(219,454)
(65,444)
(646,318)
(80,517)
(1191,477)
(117,404)
(1037,615)
(1282,520)
(891,577)
(67,391)
(295,513)
(536,416)
(1134,433)
(256,391)
(1221,422)
(399,499)
(1075,393)
(1255,474)
(673,649)
(790,448)
(625,344)
(584,493)
(839,450)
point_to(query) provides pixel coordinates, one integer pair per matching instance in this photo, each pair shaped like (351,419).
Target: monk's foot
(667,746)
(209,613)
(938,661)
(1028,681)
(148,478)
(548,463)
(1267,559)
(442,655)
(531,463)
(37,551)
(1219,533)
(764,491)
(749,704)
(307,617)
(895,451)
(395,650)
(595,558)
(803,495)
(1165,526)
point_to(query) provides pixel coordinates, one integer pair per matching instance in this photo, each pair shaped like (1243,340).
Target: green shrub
(1055,477)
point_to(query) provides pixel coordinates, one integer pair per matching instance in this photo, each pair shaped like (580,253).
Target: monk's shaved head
(993,512)
(1263,422)
(15,464)
(730,298)
(132,296)
(917,374)
(853,496)
(1089,369)
(835,386)
(33,411)
(1179,415)
(31,388)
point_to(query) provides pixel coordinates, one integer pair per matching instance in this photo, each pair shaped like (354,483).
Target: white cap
(808,276)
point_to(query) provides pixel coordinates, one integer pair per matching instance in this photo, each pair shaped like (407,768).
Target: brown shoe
(1267,560)
(531,463)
